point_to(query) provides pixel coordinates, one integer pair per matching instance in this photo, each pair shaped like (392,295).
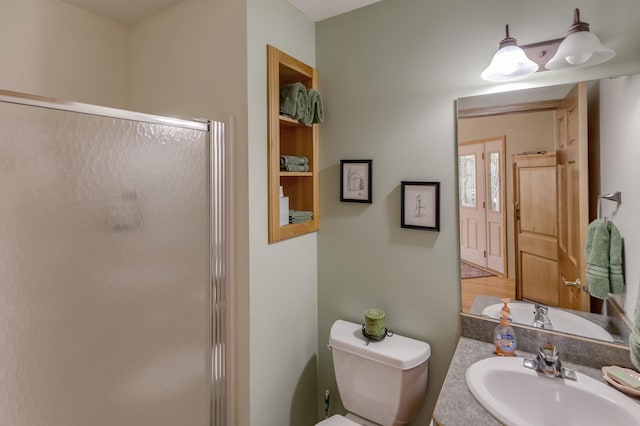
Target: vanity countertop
(456,405)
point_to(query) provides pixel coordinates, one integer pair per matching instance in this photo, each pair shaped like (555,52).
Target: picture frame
(420,205)
(356,181)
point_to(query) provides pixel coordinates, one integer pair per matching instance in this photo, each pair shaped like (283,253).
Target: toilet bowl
(380,383)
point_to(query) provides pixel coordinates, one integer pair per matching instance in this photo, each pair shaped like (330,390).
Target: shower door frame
(219,257)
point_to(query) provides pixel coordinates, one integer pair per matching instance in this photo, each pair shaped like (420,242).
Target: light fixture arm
(578,25)
(508,40)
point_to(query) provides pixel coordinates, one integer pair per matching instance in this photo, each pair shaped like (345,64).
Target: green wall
(283,275)
(389,74)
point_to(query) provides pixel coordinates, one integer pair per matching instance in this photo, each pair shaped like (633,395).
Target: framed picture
(355,181)
(420,205)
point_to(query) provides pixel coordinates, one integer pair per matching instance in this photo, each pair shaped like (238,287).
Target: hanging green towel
(597,259)
(294,101)
(603,256)
(316,109)
(634,339)
(616,274)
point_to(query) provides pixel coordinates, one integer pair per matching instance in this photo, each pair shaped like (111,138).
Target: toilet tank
(384,381)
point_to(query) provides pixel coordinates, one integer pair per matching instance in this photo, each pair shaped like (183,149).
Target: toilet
(382,383)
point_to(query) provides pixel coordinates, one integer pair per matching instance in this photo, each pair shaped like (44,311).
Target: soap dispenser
(504,337)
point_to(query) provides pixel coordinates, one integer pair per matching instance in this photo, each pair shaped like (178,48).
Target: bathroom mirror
(506,149)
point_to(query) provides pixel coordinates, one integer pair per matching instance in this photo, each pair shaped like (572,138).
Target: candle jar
(374,322)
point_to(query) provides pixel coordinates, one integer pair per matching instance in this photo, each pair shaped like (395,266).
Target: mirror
(506,149)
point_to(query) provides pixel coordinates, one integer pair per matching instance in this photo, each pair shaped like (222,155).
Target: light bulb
(579,59)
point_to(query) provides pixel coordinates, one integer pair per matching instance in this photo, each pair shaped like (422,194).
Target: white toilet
(382,383)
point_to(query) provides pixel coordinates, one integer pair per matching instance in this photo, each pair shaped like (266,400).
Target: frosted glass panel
(467,180)
(494,181)
(104,271)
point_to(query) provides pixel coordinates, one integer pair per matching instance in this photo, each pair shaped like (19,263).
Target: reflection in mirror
(494,181)
(467,179)
(550,318)
(525,208)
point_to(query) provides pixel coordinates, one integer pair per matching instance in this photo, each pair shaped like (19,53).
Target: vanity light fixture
(580,48)
(509,62)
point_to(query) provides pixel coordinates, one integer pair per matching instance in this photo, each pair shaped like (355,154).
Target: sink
(516,395)
(566,322)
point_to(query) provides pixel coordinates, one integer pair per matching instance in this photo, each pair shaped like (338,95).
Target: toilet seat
(337,420)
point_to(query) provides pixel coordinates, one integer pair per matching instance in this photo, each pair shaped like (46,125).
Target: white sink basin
(516,395)
(566,322)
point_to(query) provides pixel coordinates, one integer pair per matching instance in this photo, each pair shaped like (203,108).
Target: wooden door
(573,195)
(496,212)
(536,227)
(471,171)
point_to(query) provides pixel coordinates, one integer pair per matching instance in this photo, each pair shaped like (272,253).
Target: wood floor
(490,286)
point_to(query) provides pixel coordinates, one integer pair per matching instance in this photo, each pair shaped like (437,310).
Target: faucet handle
(548,352)
(548,362)
(541,309)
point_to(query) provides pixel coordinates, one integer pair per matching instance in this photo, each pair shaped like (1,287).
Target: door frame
(502,192)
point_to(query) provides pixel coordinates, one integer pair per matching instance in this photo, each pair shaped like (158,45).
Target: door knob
(577,283)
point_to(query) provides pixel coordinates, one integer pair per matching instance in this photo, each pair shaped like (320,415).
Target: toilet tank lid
(396,351)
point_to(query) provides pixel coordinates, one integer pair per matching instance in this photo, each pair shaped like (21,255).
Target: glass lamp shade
(510,62)
(580,49)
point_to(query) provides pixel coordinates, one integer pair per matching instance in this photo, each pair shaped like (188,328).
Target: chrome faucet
(548,362)
(541,319)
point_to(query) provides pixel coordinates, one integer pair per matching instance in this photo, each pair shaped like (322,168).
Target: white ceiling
(318,10)
(129,12)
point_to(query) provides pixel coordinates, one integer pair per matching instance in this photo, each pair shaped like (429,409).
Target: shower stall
(112,266)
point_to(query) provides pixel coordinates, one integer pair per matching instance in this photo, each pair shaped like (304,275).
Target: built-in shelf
(288,137)
(289,121)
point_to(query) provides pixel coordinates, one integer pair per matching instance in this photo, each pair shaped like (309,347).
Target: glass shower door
(104,270)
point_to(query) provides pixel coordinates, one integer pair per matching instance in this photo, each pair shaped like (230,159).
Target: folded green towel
(294,101)
(295,167)
(634,339)
(295,220)
(293,159)
(307,118)
(299,216)
(316,109)
(597,259)
(300,213)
